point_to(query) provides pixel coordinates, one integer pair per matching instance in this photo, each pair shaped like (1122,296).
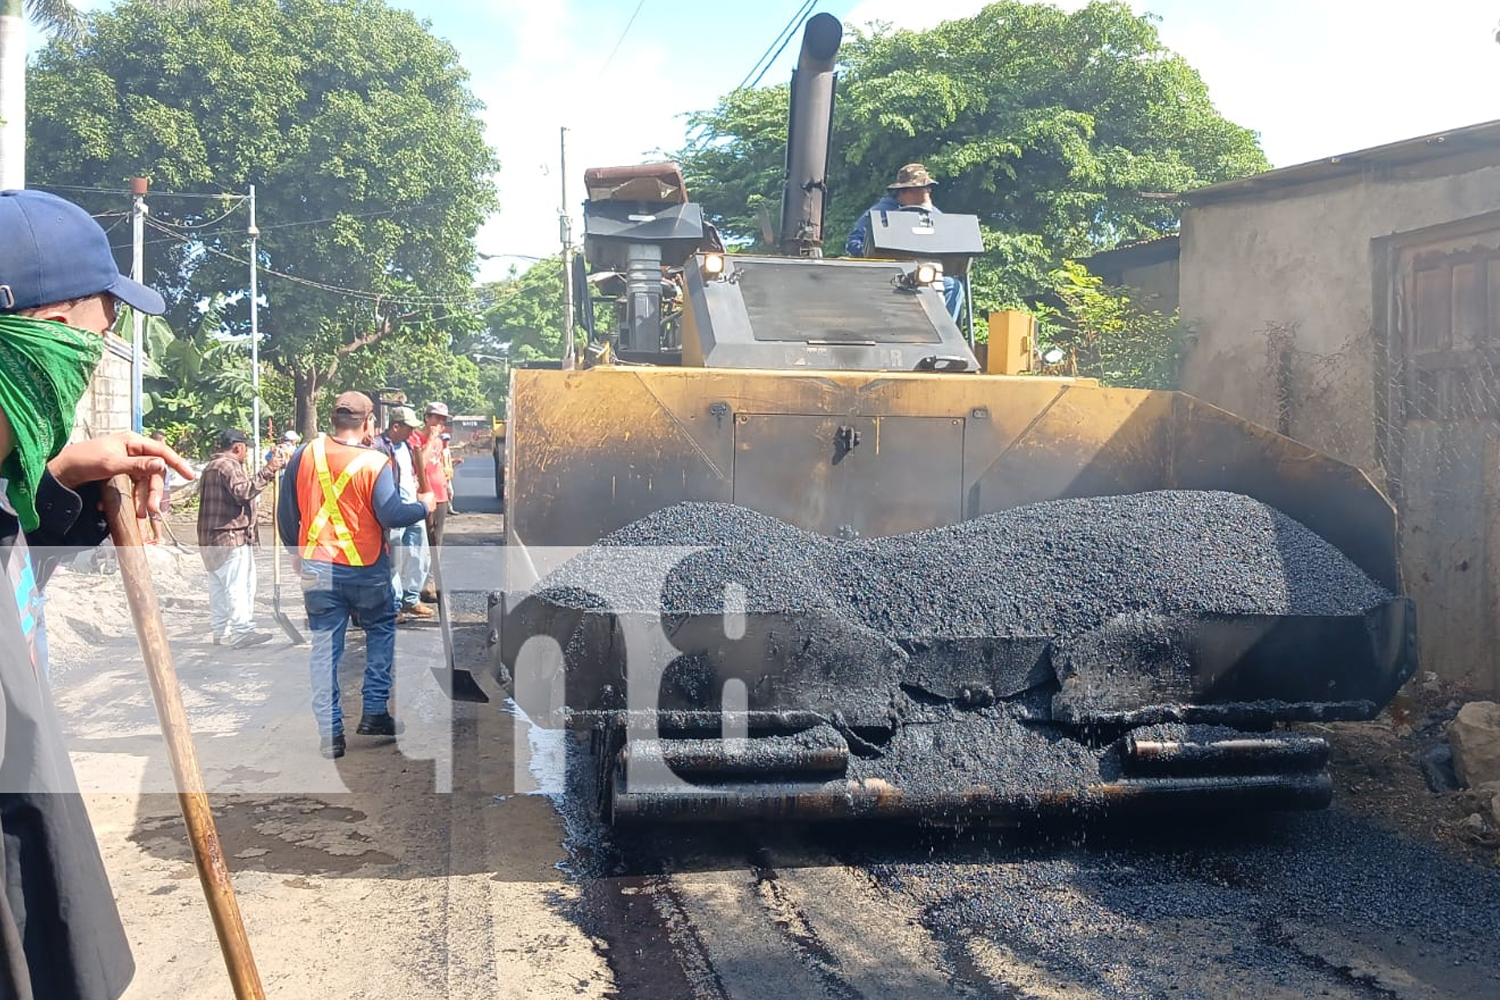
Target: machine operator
(912,190)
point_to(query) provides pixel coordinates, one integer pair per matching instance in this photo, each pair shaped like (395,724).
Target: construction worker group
(352,514)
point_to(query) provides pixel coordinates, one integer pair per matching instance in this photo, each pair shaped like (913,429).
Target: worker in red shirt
(431,450)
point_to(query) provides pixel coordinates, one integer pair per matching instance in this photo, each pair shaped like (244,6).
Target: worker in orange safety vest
(342,499)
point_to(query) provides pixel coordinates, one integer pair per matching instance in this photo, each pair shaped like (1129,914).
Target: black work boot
(381,724)
(332,747)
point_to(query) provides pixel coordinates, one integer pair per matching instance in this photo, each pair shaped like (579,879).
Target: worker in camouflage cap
(910,191)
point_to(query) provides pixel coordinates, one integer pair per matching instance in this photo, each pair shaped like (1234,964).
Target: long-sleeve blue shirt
(855,245)
(390,511)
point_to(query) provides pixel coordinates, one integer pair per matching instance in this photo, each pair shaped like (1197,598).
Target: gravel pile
(764,562)
(1058,568)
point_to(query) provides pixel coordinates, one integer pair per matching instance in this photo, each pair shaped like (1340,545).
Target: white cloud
(1358,76)
(554,78)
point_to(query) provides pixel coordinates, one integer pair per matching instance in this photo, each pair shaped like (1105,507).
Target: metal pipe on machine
(809,135)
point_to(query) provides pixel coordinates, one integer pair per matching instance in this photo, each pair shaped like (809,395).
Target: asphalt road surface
(463,860)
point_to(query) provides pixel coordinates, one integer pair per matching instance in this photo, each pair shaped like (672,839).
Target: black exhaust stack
(809,137)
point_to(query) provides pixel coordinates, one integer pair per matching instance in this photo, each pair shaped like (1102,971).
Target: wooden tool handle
(276,530)
(213,872)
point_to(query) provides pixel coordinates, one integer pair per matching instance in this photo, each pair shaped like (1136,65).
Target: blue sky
(1314,77)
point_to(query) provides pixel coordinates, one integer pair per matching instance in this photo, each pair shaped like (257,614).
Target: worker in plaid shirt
(227,538)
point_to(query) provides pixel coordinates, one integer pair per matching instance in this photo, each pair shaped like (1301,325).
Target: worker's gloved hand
(145,460)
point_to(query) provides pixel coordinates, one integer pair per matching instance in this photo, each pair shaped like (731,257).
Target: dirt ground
(1376,773)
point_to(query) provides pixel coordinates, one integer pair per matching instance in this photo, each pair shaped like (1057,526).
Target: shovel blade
(285,622)
(460,685)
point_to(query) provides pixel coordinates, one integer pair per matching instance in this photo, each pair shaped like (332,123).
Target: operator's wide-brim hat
(913,175)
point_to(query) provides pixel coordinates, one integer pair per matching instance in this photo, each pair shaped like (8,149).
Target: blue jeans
(953,296)
(410,562)
(330,594)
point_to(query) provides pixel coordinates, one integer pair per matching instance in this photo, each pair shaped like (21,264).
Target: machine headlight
(713,265)
(928,273)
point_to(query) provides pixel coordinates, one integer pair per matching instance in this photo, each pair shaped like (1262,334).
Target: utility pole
(12,95)
(138,188)
(254,234)
(566,225)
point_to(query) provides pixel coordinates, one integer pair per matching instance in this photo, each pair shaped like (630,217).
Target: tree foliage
(1109,333)
(425,368)
(1055,128)
(355,123)
(53,17)
(523,313)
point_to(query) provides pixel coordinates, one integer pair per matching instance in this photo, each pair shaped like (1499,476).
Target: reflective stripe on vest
(332,492)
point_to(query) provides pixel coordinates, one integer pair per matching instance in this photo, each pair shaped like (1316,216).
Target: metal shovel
(456,682)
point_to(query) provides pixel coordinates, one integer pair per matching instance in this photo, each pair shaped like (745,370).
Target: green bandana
(45,369)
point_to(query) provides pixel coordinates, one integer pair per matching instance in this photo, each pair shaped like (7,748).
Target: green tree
(199,382)
(1107,333)
(423,367)
(354,122)
(523,313)
(1061,131)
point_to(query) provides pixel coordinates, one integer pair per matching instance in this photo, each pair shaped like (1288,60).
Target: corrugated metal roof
(1136,254)
(1482,137)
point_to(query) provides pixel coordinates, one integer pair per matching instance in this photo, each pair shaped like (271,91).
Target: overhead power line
(154,194)
(204,225)
(778,45)
(177,232)
(621,40)
(353,293)
(787,41)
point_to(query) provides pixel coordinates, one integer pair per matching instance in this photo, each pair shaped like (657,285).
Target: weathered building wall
(1278,292)
(105,407)
(1160,281)
(1351,314)
(1149,266)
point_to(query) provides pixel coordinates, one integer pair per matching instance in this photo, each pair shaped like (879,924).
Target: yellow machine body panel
(869,454)
(1012,342)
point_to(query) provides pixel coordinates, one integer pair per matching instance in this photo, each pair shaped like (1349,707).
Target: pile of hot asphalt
(1057,568)
(1092,577)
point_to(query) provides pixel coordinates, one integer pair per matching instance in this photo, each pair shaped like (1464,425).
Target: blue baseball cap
(52,251)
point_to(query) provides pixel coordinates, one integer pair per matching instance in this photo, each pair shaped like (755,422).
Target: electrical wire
(621,40)
(778,43)
(204,225)
(177,231)
(765,69)
(780,35)
(199,233)
(151,194)
(352,293)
